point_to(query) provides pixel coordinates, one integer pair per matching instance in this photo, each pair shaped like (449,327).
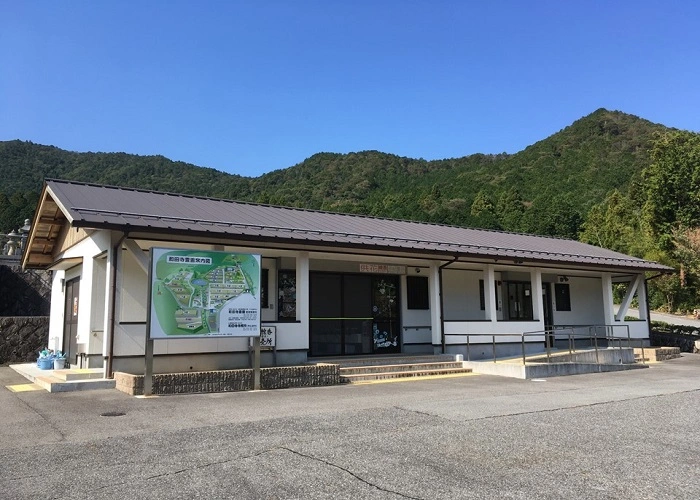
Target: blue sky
(253,86)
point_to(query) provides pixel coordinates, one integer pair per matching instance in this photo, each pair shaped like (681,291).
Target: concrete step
(389,375)
(53,384)
(389,360)
(73,374)
(393,368)
(64,380)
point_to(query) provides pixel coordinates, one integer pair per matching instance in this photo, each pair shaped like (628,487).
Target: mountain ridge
(580,164)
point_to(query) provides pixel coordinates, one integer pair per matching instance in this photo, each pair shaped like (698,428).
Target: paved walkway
(673,319)
(627,434)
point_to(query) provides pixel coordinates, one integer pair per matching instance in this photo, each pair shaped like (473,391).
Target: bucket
(44,363)
(59,363)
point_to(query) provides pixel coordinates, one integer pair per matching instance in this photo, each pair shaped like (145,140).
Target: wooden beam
(40,258)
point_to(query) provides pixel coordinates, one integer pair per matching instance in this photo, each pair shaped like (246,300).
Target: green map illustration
(192,290)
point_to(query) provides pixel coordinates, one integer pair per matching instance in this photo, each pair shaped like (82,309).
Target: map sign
(196,293)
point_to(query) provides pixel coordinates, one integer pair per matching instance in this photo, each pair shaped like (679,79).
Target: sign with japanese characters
(198,293)
(382,269)
(268,337)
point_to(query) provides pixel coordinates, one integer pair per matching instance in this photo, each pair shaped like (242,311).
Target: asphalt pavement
(630,434)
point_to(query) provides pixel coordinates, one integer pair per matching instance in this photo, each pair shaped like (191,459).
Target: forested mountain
(547,188)
(610,179)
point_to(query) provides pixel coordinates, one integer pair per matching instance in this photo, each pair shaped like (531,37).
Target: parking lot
(631,434)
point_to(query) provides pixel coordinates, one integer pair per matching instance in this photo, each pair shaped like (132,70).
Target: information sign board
(199,293)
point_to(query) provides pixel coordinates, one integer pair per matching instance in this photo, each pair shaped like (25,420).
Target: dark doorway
(353,314)
(519,300)
(70,319)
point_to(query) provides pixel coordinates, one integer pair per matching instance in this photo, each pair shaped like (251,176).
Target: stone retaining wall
(232,380)
(686,342)
(24,293)
(21,338)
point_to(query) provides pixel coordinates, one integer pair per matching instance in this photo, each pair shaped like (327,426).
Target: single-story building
(331,284)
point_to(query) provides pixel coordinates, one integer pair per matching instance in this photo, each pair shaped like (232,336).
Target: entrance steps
(371,369)
(72,379)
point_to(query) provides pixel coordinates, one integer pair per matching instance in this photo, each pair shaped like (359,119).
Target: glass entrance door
(353,314)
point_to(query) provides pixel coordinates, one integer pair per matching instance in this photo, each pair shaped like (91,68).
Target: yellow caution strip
(23,388)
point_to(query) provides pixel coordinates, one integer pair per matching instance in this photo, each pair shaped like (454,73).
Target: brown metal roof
(96,206)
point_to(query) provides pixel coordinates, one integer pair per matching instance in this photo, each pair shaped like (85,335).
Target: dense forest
(610,179)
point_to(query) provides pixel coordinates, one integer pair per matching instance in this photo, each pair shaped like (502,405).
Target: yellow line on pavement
(23,388)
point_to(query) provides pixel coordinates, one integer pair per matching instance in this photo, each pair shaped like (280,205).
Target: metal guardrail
(568,332)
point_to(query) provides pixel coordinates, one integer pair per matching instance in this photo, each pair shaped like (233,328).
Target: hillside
(547,188)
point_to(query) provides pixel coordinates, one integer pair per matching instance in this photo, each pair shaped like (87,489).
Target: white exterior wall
(586,303)
(461,296)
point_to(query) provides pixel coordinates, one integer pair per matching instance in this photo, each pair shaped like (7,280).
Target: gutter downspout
(113,300)
(442,302)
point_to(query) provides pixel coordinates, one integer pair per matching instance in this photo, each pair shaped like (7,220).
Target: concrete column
(58,299)
(84,305)
(303,280)
(642,298)
(491,308)
(108,308)
(536,286)
(608,309)
(435,310)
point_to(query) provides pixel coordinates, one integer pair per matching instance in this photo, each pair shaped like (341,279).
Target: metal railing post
(493,337)
(595,343)
(548,347)
(522,337)
(468,353)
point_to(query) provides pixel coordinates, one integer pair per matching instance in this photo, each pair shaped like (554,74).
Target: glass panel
(386,304)
(386,337)
(326,296)
(287,294)
(358,336)
(326,337)
(357,296)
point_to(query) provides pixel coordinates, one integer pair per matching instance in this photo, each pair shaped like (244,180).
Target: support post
(148,372)
(256,363)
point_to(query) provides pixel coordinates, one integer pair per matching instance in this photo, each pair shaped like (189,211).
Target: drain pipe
(442,302)
(114,258)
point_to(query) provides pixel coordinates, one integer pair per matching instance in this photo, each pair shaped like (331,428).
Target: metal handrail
(571,336)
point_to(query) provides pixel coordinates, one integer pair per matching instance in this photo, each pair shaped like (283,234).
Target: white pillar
(537,304)
(608,309)
(491,308)
(642,298)
(303,279)
(84,305)
(109,309)
(435,312)
(58,301)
